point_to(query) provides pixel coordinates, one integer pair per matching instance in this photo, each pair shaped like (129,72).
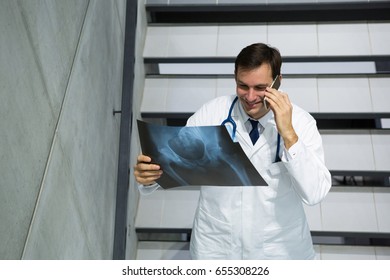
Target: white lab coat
(263,222)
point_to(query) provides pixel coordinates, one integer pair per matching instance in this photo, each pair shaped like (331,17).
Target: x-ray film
(197,156)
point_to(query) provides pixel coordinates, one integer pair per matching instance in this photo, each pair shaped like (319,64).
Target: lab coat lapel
(268,136)
(246,142)
(244,135)
(260,142)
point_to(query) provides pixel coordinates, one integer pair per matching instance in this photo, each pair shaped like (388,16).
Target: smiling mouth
(252,104)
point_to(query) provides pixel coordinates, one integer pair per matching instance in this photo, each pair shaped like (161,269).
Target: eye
(260,88)
(242,86)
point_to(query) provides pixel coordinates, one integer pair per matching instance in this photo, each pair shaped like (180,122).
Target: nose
(251,96)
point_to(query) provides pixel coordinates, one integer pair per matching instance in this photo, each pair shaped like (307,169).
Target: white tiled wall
(359,209)
(155,95)
(379,38)
(186,94)
(381,144)
(292,39)
(190,41)
(302,92)
(173,208)
(357,151)
(349,209)
(348,151)
(180,251)
(344,209)
(347,253)
(380,94)
(343,39)
(382,204)
(325,95)
(344,95)
(191,2)
(231,39)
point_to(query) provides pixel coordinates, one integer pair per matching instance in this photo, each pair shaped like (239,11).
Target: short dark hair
(252,56)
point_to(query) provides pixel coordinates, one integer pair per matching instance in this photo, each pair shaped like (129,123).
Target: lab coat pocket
(276,168)
(277,179)
(291,241)
(211,237)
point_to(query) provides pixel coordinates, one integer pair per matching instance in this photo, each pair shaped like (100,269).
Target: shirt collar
(242,115)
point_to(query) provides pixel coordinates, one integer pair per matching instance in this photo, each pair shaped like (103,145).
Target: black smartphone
(275,84)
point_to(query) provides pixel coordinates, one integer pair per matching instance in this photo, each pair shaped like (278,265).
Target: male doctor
(284,145)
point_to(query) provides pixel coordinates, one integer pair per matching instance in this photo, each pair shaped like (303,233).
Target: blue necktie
(254,134)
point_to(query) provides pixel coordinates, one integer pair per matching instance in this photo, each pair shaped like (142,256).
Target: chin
(257,114)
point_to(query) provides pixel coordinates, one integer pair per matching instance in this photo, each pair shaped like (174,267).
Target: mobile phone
(275,84)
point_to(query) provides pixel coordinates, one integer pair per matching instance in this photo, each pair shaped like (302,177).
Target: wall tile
(154,2)
(381,146)
(163,251)
(329,1)
(242,1)
(347,253)
(232,39)
(192,41)
(348,152)
(344,95)
(155,94)
(179,208)
(156,42)
(349,209)
(291,1)
(313,215)
(186,95)
(385,123)
(380,94)
(382,205)
(343,39)
(149,250)
(302,92)
(226,86)
(294,39)
(150,209)
(379,38)
(190,2)
(382,253)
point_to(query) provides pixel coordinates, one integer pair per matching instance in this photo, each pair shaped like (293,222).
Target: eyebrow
(258,85)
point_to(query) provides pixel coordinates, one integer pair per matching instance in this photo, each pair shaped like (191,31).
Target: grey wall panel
(33,75)
(85,148)
(58,230)
(60,80)
(139,81)
(53,29)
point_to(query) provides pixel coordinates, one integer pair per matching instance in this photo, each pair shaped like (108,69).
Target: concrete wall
(60,79)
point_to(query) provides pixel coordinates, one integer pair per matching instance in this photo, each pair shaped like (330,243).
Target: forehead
(261,74)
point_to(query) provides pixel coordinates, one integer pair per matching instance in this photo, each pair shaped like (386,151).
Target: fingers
(278,100)
(145,172)
(281,106)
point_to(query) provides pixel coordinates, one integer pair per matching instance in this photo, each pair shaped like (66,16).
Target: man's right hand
(145,172)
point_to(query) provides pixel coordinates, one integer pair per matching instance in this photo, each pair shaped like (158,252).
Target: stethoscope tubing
(230,120)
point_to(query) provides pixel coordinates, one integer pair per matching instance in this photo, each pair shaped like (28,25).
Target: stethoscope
(230,120)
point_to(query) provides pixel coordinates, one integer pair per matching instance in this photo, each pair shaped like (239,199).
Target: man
(261,222)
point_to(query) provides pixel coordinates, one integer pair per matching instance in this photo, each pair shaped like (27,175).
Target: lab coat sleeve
(310,177)
(145,190)
(211,113)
